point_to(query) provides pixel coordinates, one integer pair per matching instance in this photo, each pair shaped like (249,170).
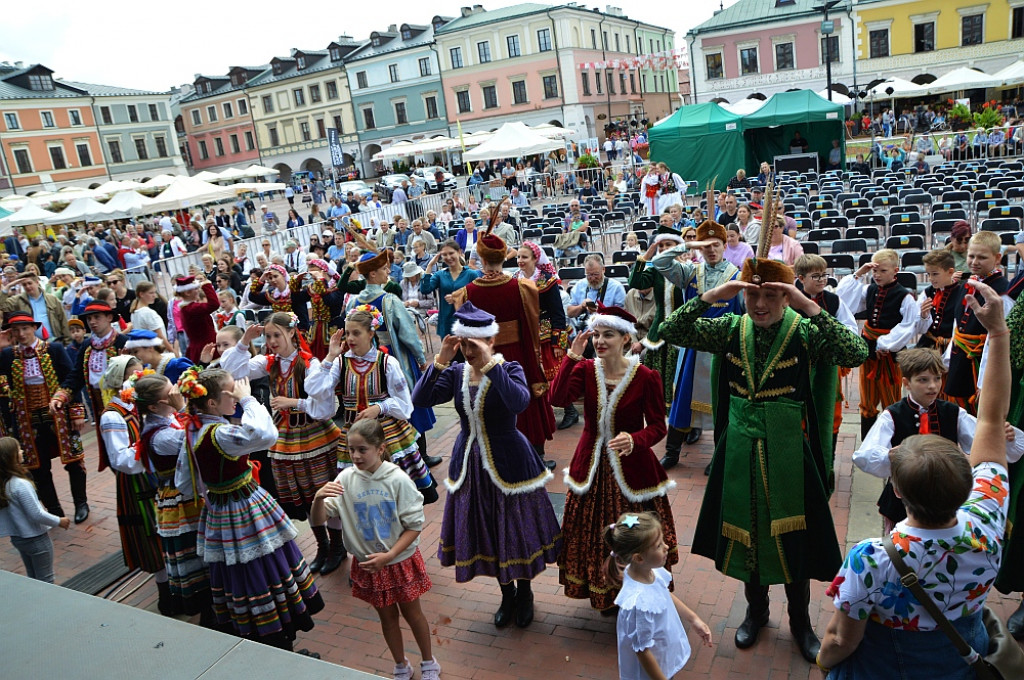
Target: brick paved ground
(566,638)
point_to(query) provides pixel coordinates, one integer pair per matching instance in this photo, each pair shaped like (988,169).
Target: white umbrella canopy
(206,176)
(257,170)
(513,140)
(397,150)
(159,182)
(30,214)
(959,79)
(900,88)
(113,186)
(744,106)
(14,202)
(232,174)
(837,97)
(83,209)
(549,130)
(242,187)
(187,192)
(1012,74)
(127,204)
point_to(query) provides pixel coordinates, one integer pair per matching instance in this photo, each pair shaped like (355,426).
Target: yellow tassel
(784,526)
(734,533)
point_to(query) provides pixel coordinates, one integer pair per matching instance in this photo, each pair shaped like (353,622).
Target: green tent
(768,130)
(700,142)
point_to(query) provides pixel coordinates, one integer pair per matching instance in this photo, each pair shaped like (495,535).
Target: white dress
(648,619)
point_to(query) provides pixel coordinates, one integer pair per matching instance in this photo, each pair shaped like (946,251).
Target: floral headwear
(327,267)
(279,269)
(376,318)
(544,269)
(189,385)
(127,393)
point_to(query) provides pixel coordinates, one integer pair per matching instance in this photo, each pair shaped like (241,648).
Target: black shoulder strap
(909,579)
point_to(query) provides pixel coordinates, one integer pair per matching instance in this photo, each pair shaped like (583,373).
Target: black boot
(539,450)
(524,603)
(429,461)
(757,615)
(165,602)
(799,595)
(673,445)
(506,612)
(693,436)
(323,548)
(337,555)
(570,416)
(865,425)
(1015,624)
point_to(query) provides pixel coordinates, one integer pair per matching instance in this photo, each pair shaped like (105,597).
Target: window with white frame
(369,122)
(830,49)
(300,96)
(11,121)
(972,29)
(211,113)
(229,110)
(114,147)
(197,118)
(455,55)
(519,92)
(393,72)
(713,65)
(490,94)
(154,112)
(243,107)
(586,83)
(84,155)
(250,142)
(550,86)
(47,118)
(430,106)
(544,40)
(462,102)
(332,89)
(75,116)
(512,42)
(268,103)
(106,117)
(204,152)
(424,66)
(483,51)
(57,160)
(748,60)
(141,152)
(785,58)
(401,116)
(133,114)
(23,160)
(161,146)
(218,146)
(878,40)
(304,131)
(361,80)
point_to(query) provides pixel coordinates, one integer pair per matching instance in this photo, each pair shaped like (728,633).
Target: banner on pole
(334,143)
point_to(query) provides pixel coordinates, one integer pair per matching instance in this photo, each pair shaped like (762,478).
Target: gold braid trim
(784,526)
(734,533)
(775,392)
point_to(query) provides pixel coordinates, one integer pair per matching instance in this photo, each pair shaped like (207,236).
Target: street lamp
(827,29)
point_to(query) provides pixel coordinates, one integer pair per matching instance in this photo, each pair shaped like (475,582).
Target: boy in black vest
(920,412)
(964,353)
(890,323)
(941,302)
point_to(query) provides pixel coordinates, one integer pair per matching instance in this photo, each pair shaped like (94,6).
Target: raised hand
(206,356)
(727,291)
(251,333)
(449,347)
(990,314)
(579,343)
(242,389)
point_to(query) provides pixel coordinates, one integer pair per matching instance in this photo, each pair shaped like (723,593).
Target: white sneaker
(404,672)
(430,670)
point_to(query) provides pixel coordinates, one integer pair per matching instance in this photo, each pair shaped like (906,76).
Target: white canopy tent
(30,214)
(960,79)
(186,192)
(900,88)
(83,209)
(242,187)
(513,140)
(113,186)
(127,204)
(837,97)
(257,170)
(397,150)
(231,174)
(743,107)
(553,131)
(1012,74)
(13,203)
(159,182)
(206,176)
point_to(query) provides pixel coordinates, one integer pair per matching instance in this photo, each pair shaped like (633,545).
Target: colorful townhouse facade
(761,47)
(395,80)
(295,104)
(56,133)
(535,63)
(920,40)
(218,120)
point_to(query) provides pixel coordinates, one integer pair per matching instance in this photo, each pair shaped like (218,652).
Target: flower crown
(127,393)
(376,318)
(189,385)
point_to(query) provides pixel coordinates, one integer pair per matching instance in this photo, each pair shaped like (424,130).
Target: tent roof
(962,78)
(82,209)
(127,203)
(698,119)
(744,107)
(1012,74)
(513,140)
(837,97)
(30,214)
(191,191)
(900,88)
(799,106)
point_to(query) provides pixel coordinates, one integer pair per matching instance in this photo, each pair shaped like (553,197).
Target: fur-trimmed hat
(711,229)
(472,322)
(371,262)
(760,270)
(666,233)
(613,317)
(143,338)
(491,248)
(183,284)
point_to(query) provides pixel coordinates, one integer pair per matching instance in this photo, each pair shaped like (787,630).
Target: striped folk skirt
(303,459)
(136,522)
(177,522)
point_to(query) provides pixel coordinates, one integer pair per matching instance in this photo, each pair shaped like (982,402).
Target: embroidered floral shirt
(956,566)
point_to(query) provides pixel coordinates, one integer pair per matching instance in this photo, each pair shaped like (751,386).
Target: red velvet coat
(635,406)
(197,322)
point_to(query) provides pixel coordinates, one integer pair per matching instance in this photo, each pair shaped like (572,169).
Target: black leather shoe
(806,641)
(669,461)
(569,418)
(524,607)
(337,555)
(432,461)
(707,470)
(693,435)
(507,611)
(81,512)
(746,634)
(1015,624)
(550,465)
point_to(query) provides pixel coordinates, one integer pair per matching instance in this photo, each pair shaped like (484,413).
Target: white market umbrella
(1012,74)
(186,192)
(397,150)
(30,214)
(553,131)
(231,174)
(15,202)
(159,182)
(837,97)
(113,186)
(127,204)
(83,209)
(959,79)
(900,88)
(242,187)
(744,107)
(257,170)
(512,140)
(207,176)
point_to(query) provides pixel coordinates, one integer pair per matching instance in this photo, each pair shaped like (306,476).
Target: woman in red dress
(613,470)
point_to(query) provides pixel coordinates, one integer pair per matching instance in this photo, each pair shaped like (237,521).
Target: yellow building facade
(914,39)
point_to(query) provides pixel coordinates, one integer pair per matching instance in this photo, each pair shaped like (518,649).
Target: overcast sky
(133,44)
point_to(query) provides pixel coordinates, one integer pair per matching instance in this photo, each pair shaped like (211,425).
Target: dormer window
(406,34)
(278,68)
(40,83)
(209,87)
(438,25)
(335,54)
(375,41)
(301,62)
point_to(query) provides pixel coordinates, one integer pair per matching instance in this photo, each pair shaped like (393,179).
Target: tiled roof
(317,61)
(395,44)
(9,89)
(107,90)
(491,16)
(750,12)
(227,86)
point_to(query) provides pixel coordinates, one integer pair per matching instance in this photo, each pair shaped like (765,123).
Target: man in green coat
(765,517)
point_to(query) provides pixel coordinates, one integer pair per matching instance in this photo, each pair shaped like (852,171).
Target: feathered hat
(761,269)
(371,262)
(490,247)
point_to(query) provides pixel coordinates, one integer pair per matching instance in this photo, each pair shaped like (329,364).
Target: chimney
(18,64)
(392,28)
(465,11)
(477,9)
(613,11)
